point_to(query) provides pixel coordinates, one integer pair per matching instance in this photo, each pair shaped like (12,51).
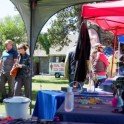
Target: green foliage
(35,59)
(66,22)
(44,41)
(12,28)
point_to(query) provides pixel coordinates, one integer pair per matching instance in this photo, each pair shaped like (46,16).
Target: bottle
(69,100)
(92,86)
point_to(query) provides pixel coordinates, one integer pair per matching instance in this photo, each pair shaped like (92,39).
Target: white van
(56,69)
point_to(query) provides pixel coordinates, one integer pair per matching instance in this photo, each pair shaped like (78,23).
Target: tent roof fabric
(41,13)
(107,15)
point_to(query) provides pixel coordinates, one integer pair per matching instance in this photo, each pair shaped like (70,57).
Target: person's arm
(25,65)
(1,61)
(15,57)
(15,60)
(0,64)
(66,73)
(96,58)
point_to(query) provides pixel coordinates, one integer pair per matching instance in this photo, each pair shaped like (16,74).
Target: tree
(12,28)
(44,41)
(66,22)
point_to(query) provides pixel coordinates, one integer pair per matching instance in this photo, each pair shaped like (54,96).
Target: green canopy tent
(35,13)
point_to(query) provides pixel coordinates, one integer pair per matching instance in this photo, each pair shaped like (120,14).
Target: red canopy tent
(108,15)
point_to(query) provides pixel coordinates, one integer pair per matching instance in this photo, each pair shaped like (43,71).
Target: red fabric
(103,58)
(107,15)
(101,73)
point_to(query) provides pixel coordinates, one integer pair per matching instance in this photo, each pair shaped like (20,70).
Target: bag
(14,71)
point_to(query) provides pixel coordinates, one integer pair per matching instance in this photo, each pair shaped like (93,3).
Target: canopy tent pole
(32,6)
(115,42)
(118,57)
(31,56)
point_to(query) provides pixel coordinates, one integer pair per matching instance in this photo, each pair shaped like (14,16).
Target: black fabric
(121,63)
(82,54)
(72,61)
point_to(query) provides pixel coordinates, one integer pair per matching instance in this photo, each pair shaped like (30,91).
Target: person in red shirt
(99,65)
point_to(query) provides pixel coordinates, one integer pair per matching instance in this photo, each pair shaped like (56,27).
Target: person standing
(70,64)
(99,65)
(23,75)
(8,58)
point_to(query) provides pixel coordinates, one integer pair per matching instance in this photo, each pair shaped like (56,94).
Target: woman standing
(23,75)
(100,64)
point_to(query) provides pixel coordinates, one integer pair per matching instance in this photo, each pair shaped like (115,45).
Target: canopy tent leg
(115,43)
(118,57)
(32,6)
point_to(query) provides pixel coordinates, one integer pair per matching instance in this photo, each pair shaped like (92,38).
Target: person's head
(100,48)
(22,48)
(8,44)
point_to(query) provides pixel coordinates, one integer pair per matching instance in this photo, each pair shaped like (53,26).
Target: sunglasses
(20,48)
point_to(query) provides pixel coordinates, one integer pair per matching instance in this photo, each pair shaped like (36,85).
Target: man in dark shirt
(8,58)
(70,64)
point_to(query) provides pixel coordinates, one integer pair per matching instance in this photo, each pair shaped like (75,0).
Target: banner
(121,39)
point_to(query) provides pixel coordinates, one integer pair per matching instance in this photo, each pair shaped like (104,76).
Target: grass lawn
(43,83)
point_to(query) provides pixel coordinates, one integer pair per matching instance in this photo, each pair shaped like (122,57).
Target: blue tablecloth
(107,85)
(98,114)
(47,103)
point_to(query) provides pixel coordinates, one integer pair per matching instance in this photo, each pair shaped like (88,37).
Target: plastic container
(17,107)
(91,87)
(69,100)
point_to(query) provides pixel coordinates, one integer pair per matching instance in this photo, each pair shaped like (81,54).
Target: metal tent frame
(35,13)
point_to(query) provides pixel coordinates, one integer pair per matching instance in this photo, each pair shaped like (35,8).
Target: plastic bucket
(17,107)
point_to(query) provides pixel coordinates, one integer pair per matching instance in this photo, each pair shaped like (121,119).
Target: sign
(56,67)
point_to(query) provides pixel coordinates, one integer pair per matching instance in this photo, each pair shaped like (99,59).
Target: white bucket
(17,107)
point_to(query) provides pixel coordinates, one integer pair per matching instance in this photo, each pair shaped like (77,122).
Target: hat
(99,45)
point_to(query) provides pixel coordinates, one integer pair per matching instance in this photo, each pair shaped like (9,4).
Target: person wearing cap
(23,75)
(8,58)
(100,65)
